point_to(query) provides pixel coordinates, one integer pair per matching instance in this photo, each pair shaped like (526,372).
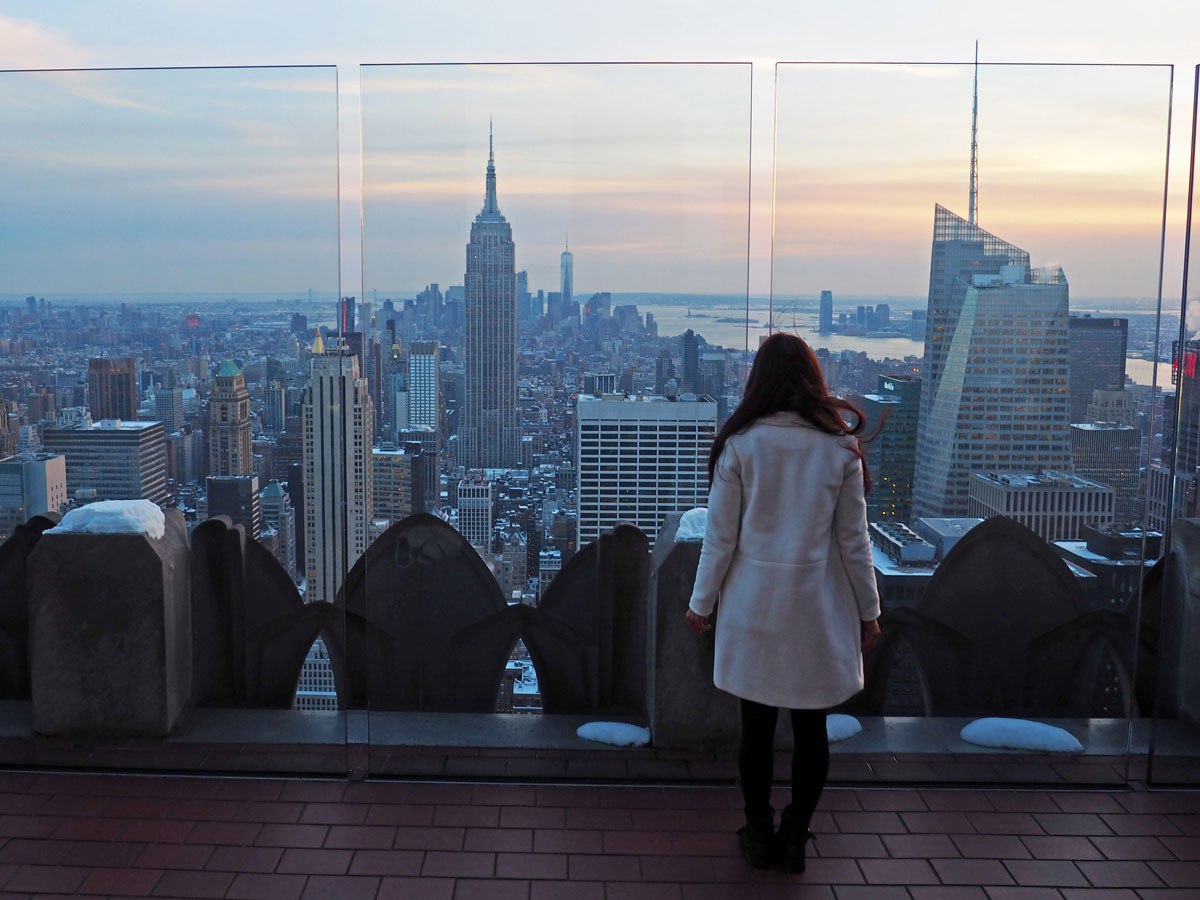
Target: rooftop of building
(109,425)
(229,369)
(950,527)
(1046,478)
(1101,426)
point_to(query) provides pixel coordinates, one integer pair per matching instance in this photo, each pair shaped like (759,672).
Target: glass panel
(550,252)
(1172,627)
(166,235)
(1010,364)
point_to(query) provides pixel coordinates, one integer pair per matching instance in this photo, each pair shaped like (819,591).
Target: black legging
(756,760)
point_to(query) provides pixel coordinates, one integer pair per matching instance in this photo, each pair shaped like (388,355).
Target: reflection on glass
(1009,367)
(168,235)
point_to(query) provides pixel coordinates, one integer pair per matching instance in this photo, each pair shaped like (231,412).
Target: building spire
(490,206)
(973,202)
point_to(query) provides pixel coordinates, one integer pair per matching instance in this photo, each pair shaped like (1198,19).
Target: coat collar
(786,418)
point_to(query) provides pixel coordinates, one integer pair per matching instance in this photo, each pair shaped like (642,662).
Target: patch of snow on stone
(1020,734)
(114,517)
(839,727)
(620,734)
(692,525)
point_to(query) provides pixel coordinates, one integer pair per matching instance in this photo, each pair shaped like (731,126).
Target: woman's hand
(870,635)
(698,623)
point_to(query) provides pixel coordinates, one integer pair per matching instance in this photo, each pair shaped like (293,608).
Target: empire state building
(490,432)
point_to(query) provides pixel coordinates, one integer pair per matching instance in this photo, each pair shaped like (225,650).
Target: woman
(787,550)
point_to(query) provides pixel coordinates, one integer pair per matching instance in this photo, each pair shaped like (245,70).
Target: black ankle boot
(790,842)
(757,840)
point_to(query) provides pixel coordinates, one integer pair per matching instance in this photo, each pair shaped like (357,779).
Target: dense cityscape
(532,420)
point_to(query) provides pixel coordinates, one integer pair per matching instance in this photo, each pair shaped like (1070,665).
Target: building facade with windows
(640,458)
(113,459)
(337,429)
(994,394)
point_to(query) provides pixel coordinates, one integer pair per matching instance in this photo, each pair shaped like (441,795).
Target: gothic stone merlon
(14,606)
(110,642)
(1004,629)
(418,586)
(251,630)
(588,639)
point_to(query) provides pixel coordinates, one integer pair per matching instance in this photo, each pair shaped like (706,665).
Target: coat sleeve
(850,529)
(721,533)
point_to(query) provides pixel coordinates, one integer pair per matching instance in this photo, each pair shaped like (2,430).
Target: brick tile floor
(260,839)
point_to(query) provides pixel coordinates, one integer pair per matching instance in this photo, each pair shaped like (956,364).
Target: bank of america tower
(490,432)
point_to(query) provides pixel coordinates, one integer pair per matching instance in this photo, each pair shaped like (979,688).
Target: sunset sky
(225,181)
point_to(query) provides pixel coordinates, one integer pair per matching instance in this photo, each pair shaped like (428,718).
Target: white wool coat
(786,549)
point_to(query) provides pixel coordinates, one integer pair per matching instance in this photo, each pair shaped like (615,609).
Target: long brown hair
(786,377)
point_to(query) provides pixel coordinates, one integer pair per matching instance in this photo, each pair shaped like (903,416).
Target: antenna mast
(973,203)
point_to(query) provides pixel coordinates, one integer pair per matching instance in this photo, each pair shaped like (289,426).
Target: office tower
(316,691)
(168,407)
(566,270)
(278,516)
(476,501)
(112,389)
(236,496)
(29,486)
(181,456)
(490,433)
(664,371)
(599,383)
(1054,505)
(424,385)
(825,317)
(638,459)
(299,323)
(346,315)
(554,306)
(274,407)
(538,305)
(917,325)
(1097,361)
(229,438)
(1110,454)
(398,404)
(113,459)
(994,392)
(883,315)
(712,375)
(295,492)
(393,485)
(892,455)
(691,362)
(338,424)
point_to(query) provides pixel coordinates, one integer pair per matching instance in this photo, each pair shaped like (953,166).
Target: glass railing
(452,502)
(560,378)
(166,233)
(1009,369)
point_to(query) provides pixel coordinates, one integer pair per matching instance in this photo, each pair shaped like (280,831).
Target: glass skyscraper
(995,386)
(490,433)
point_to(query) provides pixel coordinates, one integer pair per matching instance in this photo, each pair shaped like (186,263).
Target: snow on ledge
(839,727)
(692,525)
(1020,734)
(114,517)
(617,733)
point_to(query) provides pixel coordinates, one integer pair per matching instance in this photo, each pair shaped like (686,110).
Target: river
(674,320)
